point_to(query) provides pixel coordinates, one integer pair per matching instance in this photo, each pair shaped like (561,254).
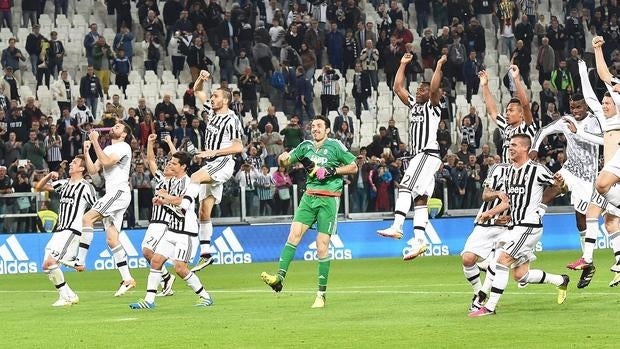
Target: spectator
(31,112)
(329,90)
(525,32)
(142,109)
(33,47)
(293,134)
(11,56)
(197,134)
(178,48)
(121,66)
(65,121)
(181,132)
(344,135)
(562,81)
(470,75)
(460,180)
(141,181)
(23,203)
(102,55)
(90,89)
(443,138)
(277,35)
(391,59)
(546,96)
(369,58)
(361,89)
(123,40)
(545,61)
(12,149)
(358,187)
(334,41)
(315,40)
(227,56)
(540,28)
(10,84)
(196,59)
(282,197)
(6,16)
(248,83)
(557,38)
(273,143)
(61,91)
(34,151)
(151,47)
(305,96)
(252,132)
(90,40)
(351,53)
(265,185)
(82,115)
(246,177)
(56,53)
(241,62)
(169,109)
(343,117)
(457,55)
(53,146)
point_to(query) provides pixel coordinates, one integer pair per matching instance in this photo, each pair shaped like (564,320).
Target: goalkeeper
(326,160)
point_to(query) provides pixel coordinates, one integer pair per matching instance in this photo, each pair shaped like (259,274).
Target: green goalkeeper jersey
(332,153)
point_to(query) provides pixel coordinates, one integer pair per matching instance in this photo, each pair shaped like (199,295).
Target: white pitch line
(343,291)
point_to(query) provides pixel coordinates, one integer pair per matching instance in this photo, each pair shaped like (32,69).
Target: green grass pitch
(379,303)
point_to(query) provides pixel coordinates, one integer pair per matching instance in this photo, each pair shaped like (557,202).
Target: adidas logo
(602,240)
(431,238)
(134,258)
(336,250)
(13,258)
(227,249)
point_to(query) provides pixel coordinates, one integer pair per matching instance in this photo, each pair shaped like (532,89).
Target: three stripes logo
(13,258)
(336,250)
(227,249)
(432,240)
(134,259)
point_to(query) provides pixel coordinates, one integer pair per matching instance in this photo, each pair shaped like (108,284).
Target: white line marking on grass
(122,319)
(347,291)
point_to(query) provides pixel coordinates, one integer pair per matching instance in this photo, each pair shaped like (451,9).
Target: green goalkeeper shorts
(322,210)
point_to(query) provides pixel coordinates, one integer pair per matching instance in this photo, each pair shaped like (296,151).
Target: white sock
(472,274)
(204,235)
(499,285)
(614,241)
(590,239)
(57,277)
(420,219)
(120,258)
(191,192)
(490,274)
(165,275)
(537,276)
(582,239)
(194,283)
(85,240)
(153,280)
(403,204)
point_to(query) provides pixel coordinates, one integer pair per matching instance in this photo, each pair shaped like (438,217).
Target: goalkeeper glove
(308,164)
(325,172)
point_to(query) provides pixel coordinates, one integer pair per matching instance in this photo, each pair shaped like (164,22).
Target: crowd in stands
(300,55)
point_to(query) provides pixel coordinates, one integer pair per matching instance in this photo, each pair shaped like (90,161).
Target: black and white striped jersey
(188,224)
(221,129)
(160,214)
(525,186)
(508,131)
(423,124)
(75,199)
(496,180)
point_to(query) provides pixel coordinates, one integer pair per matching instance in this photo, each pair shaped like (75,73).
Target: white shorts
(154,233)
(112,207)
(580,190)
(522,243)
(220,171)
(62,244)
(177,247)
(419,176)
(483,240)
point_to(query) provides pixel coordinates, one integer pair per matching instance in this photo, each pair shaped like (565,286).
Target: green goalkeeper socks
(288,253)
(323,273)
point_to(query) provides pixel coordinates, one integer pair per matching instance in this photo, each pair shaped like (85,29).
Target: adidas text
(15,267)
(337,250)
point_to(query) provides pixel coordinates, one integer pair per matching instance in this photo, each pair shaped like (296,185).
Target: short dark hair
(184,158)
(576,97)
(527,140)
(516,101)
(325,120)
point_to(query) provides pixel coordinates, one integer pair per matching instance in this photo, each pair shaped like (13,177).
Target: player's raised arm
(556,126)
(436,81)
(399,81)
(199,86)
(521,95)
(601,65)
(487,96)
(42,184)
(92,168)
(103,159)
(173,148)
(588,93)
(150,154)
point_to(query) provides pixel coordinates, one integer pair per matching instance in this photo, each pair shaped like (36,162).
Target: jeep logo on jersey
(134,259)
(336,250)
(435,246)
(13,258)
(228,249)
(517,189)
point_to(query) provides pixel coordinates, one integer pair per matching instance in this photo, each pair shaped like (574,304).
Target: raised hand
(93,136)
(514,72)
(442,60)
(87,145)
(484,77)
(597,41)
(406,59)
(152,137)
